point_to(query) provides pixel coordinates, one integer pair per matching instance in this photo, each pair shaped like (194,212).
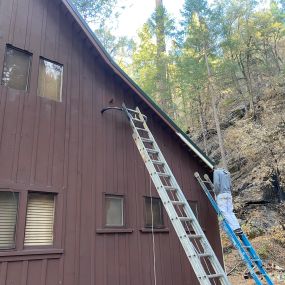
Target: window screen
(156,212)
(39,219)
(16,69)
(114,210)
(50,80)
(8,219)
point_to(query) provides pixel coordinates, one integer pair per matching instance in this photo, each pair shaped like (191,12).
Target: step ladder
(242,244)
(193,240)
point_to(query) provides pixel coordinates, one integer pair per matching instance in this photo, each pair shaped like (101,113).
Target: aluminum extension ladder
(194,242)
(242,244)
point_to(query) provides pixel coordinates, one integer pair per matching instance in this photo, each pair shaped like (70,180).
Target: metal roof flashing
(199,154)
(114,66)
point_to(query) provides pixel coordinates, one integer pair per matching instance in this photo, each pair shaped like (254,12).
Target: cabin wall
(69,148)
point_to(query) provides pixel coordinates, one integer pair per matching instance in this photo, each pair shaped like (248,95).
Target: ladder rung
(147,140)
(170,188)
(158,162)
(185,219)
(195,236)
(137,120)
(178,203)
(204,254)
(133,111)
(163,174)
(141,129)
(205,181)
(217,275)
(151,150)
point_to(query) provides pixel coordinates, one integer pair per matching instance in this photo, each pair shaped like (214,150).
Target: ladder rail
(249,255)
(253,254)
(193,254)
(196,226)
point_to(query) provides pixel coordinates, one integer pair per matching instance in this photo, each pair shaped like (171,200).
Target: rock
(237,114)
(257,219)
(227,124)
(244,186)
(235,164)
(250,194)
(211,133)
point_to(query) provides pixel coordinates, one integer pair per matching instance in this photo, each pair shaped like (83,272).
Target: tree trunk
(186,111)
(215,111)
(164,95)
(248,84)
(239,90)
(203,124)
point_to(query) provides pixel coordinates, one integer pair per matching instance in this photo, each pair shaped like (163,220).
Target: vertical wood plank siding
(71,147)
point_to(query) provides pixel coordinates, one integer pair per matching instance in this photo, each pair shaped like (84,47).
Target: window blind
(8,218)
(39,220)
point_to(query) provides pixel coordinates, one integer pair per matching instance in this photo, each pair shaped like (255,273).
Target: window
(114,210)
(155,211)
(50,80)
(40,219)
(8,218)
(16,69)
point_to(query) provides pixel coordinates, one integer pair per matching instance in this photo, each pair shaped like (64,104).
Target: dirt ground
(271,252)
(236,280)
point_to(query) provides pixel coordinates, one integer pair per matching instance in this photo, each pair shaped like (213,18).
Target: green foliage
(242,42)
(264,251)
(144,61)
(96,11)
(102,16)
(252,231)
(151,62)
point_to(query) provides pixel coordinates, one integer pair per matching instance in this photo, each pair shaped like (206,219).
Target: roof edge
(115,67)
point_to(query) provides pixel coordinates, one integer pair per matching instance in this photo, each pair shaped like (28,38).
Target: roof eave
(117,70)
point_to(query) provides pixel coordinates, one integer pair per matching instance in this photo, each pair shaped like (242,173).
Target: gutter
(195,150)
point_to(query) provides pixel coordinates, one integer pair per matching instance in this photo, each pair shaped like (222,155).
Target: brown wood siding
(71,149)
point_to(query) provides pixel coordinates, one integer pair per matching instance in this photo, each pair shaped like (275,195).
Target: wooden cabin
(74,191)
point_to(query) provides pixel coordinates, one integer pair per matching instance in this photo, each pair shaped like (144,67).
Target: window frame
(124,223)
(29,71)
(61,79)
(146,226)
(2,189)
(23,192)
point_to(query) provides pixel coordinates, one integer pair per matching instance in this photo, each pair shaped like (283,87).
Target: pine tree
(199,33)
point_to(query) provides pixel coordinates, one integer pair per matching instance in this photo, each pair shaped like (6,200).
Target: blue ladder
(241,243)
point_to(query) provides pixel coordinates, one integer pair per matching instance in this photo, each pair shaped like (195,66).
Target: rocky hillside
(256,157)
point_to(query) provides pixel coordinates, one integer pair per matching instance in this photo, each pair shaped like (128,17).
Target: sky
(137,12)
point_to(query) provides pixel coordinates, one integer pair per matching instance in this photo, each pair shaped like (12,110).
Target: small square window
(114,211)
(50,80)
(16,69)
(154,214)
(40,219)
(8,218)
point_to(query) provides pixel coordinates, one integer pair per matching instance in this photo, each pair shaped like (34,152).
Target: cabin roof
(124,77)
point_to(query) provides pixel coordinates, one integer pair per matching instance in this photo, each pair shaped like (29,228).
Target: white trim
(195,150)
